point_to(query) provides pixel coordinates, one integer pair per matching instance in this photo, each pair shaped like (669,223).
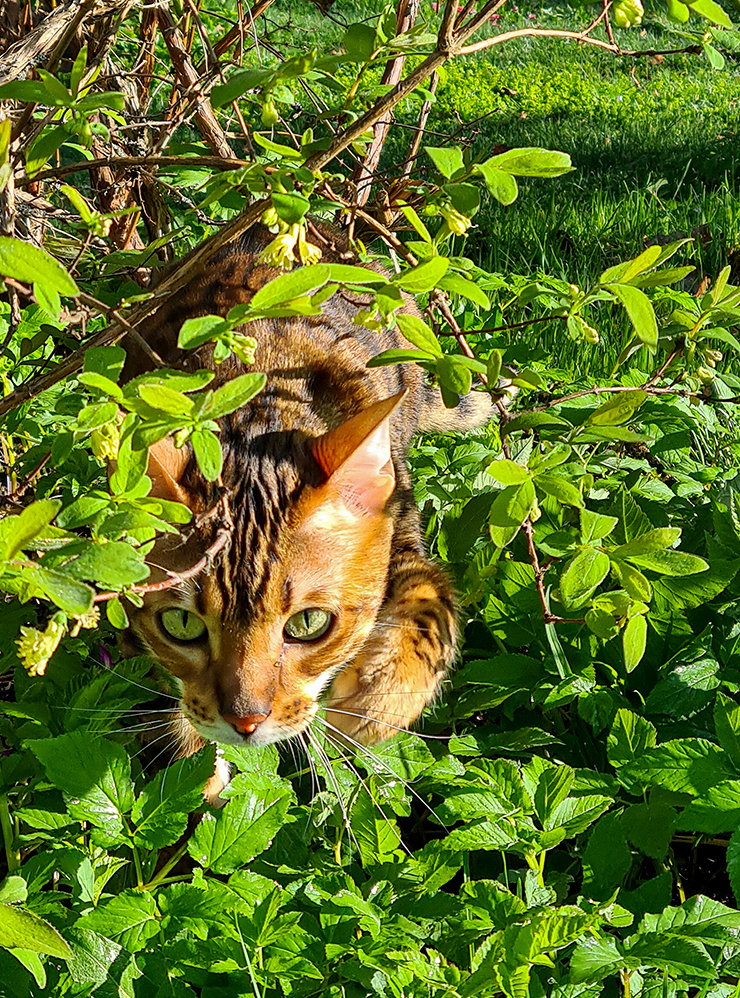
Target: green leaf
(649,827)
(620,408)
(532,162)
(509,511)
(113,565)
(653,540)
(423,277)
(376,834)
(582,575)
(595,958)
(17,532)
(716,811)
(359,42)
(42,148)
(239,84)
(634,640)
(559,488)
(130,918)
(448,161)
(454,375)
(552,788)
(69,595)
(669,562)
(607,858)
(116,614)
(225,841)
(165,399)
(24,930)
(418,332)
(162,808)
(727,727)
(208,453)
(712,11)
(25,90)
(687,765)
(640,311)
(630,736)
(13,889)
(390,357)
(733,864)
(297,283)
(500,185)
(195,332)
(290,207)
(233,395)
(596,526)
(575,814)
(460,285)
(508,472)
(31,265)
(94,776)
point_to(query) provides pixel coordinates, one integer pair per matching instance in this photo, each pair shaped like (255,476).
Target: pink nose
(246,725)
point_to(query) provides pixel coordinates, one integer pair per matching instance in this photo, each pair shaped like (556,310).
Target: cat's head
(293,592)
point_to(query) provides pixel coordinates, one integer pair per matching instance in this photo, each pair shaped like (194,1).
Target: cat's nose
(245,725)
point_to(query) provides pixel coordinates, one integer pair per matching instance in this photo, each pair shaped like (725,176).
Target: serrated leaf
(630,736)
(94,776)
(130,918)
(161,810)
(225,841)
(689,765)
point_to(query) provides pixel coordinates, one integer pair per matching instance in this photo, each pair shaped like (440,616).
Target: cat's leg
(399,670)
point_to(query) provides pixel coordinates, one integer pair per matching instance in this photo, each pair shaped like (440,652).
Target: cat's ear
(166,467)
(356,456)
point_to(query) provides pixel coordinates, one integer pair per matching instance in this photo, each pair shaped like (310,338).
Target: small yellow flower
(456,221)
(279,253)
(35,647)
(308,253)
(88,620)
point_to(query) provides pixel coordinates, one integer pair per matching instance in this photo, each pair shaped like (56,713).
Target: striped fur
(346,539)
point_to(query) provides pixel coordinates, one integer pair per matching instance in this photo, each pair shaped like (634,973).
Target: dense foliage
(566,822)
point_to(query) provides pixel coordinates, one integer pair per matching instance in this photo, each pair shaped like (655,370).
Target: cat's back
(316,366)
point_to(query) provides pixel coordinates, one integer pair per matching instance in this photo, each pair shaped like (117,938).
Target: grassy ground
(653,142)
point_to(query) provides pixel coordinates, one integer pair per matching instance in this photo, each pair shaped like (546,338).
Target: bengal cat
(324,583)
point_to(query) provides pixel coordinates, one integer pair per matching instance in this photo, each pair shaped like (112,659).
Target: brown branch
(539,576)
(34,48)
(18,492)
(127,162)
(407,12)
(175,578)
(205,118)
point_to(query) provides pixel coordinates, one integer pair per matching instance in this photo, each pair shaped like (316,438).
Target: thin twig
(176,578)
(539,573)
(126,162)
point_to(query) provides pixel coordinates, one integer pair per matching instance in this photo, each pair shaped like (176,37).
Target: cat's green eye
(309,624)
(182,625)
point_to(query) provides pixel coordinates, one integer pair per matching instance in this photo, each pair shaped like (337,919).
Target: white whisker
(378,720)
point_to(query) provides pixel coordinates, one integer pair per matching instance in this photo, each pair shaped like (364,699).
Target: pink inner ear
(356,457)
(166,467)
(367,478)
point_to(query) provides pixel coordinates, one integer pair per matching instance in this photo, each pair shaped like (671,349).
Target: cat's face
(253,672)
